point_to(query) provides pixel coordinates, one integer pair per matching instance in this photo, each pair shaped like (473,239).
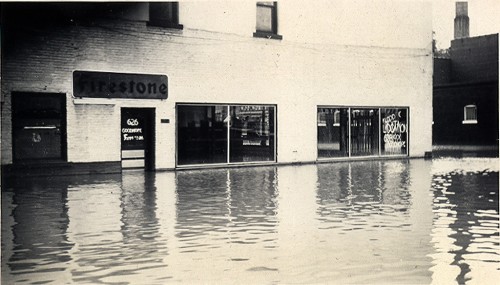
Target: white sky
(484,19)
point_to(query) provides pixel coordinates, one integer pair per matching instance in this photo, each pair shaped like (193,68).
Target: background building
(94,87)
(465,96)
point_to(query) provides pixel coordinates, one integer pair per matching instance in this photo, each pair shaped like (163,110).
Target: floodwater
(398,221)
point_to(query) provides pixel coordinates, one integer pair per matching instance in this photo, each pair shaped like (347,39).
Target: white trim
(469,122)
(93,101)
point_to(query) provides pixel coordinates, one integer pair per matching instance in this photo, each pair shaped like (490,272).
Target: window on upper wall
(164,14)
(470,114)
(267,21)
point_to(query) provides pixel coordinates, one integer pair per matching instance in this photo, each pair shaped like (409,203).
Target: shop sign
(87,84)
(132,132)
(394,130)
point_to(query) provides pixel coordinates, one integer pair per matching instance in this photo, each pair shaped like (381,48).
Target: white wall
(349,53)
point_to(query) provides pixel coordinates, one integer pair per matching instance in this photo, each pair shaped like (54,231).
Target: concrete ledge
(60,168)
(276,164)
(465,151)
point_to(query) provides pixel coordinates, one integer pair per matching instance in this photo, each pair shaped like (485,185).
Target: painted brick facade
(220,62)
(469,77)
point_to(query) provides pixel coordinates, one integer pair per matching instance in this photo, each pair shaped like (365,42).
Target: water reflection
(366,209)
(399,221)
(223,217)
(347,193)
(40,246)
(466,234)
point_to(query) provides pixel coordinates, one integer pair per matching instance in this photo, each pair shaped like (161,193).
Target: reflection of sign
(119,85)
(251,108)
(394,128)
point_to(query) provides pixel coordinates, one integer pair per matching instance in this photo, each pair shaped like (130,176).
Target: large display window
(213,134)
(355,132)
(364,132)
(333,132)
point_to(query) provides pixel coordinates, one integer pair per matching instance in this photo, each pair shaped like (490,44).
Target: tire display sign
(88,84)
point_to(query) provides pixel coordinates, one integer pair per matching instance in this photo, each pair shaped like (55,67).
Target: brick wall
(474,59)
(212,67)
(449,103)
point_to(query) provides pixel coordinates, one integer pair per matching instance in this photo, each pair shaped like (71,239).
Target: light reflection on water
(384,222)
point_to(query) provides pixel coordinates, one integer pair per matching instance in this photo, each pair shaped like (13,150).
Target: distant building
(99,87)
(465,96)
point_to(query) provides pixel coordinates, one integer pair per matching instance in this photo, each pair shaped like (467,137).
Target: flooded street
(398,221)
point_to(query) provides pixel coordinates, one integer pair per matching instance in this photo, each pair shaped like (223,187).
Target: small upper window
(164,14)
(470,114)
(267,20)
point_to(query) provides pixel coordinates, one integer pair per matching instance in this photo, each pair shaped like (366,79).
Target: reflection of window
(321,119)
(336,118)
(470,114)
(267,20)
(164,14)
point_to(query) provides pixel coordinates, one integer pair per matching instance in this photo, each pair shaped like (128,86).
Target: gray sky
(484,19)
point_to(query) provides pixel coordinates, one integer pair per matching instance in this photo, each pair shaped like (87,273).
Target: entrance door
(138,138)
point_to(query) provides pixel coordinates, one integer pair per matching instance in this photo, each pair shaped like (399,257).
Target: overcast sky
(484,19)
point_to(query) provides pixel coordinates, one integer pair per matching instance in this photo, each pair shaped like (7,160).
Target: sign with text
(132,131)
(394,131)
(88,84)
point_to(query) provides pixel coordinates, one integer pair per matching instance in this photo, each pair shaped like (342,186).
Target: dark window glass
(252,133)
(364,132)
(394,131)
(164,14)
(333,129)
(202,134)
(38,126)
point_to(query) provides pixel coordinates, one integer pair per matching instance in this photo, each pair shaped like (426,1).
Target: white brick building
(292,82)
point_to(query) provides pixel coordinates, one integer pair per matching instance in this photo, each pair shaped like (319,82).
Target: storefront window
(394,131)
(333,130)
(252,133)
(364,132)
(349,132)
(204,138)
(202,134)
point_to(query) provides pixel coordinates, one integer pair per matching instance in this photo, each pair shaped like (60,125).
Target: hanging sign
(88,84)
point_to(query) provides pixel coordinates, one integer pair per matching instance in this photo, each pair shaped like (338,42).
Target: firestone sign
(88,84)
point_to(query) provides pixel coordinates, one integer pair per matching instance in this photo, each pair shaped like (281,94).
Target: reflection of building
(465,97)
(104,86)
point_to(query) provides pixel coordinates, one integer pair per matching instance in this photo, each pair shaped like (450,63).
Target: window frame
(467,120)
(274,22)
(380,153)
(20,97)
(227,121)
(172,23)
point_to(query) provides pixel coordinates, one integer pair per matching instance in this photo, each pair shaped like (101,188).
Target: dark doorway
(138,138)
(38,127)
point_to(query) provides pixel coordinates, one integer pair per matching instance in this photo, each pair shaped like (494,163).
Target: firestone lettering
(121,87)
